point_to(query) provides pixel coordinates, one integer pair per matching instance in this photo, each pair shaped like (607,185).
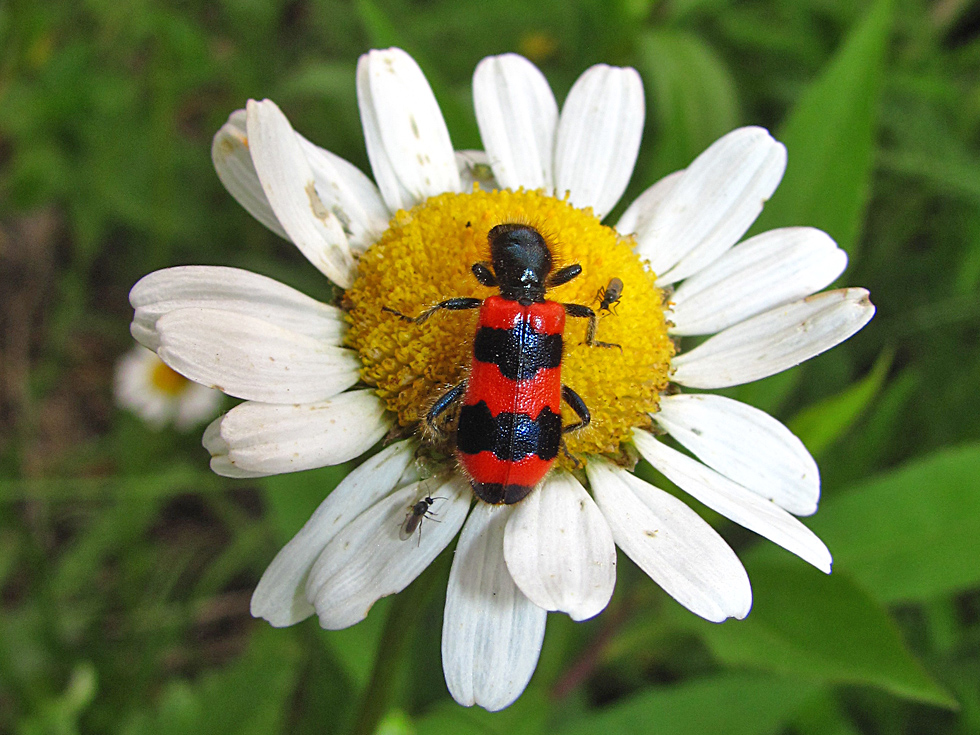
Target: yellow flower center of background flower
(167,381)
(425,256)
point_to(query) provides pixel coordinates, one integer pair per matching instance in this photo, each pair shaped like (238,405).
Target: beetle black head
(521,261)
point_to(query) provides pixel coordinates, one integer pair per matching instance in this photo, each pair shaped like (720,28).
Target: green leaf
(910,534)
(769,393)
(823,423)
(880,430)
(953,175)
(807,625)
(293,497)
(378,25)
(691,96)
(250,697)
(526,716)
(734,704)
(830,138)
(60,714)
(355,648)
(395,722)
(823,715)
(118,527)
(178,478)
(327,80)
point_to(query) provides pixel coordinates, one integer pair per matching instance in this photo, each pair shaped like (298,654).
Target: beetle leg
(457,304)
(564,275)
(575,402)
(585,312)
(442,403)
(483,274)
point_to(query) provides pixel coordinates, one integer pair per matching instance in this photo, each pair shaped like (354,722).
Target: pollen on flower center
(425,256)
(167,381)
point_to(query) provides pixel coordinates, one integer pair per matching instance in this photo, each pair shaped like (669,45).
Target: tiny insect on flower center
(168,382)
(425,257)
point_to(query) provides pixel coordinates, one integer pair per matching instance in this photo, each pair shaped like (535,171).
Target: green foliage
(248,698)
(736,703)
(527,715)
(821,424)
(692,98)
(825,628)
(292,498)
(126,567)
(830,134)
(910,534)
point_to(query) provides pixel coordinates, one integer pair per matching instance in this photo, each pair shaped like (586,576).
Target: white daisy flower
(324,384)
(145,385)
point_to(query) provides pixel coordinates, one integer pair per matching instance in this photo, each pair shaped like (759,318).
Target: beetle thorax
(521,262)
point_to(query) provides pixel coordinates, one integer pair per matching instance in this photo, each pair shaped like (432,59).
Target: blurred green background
(126,566)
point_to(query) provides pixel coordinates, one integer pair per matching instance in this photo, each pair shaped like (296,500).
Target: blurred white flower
(158,395)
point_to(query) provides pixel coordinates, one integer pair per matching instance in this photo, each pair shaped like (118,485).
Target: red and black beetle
(509,430)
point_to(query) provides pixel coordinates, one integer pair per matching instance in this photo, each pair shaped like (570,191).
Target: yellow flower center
(537,46)
(167,381)
(425,256)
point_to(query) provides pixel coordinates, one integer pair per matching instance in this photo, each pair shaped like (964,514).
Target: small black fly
(610,295)
(416,514)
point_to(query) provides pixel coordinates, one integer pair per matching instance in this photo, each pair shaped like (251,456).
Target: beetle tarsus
(457,304)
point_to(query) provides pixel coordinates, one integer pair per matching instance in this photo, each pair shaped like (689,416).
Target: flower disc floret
(168,381)
(425,257)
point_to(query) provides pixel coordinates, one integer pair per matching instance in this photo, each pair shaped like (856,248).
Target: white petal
(146,336)
(637,215)
(599,137)
(368,559)
(474,168)
(268,439)
(233,162)
(406,136)
(517,114)
(775,340)
(290,187)
(713,204)
(234,290)
(253,359)
(342,187)
(766,271)
(745,445)
(491,633)
(559,549)
(733,501)
(280,596)
(349,194)
(672,543)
